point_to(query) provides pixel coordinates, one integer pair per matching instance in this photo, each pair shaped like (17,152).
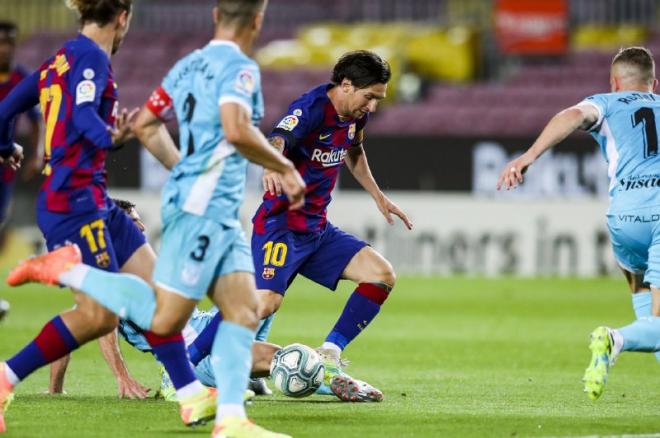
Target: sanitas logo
(639,182)
(329,159)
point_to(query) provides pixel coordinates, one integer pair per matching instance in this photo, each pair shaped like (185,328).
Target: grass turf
(455,357)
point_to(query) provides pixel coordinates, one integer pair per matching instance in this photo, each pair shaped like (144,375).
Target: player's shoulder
(311,104)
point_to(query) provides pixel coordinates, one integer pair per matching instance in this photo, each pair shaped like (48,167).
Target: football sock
(642,304)
(53,342)
(263,330)
(233,343)
(203,343)
(642,335)
(361,308)
(171,352)
(125,295)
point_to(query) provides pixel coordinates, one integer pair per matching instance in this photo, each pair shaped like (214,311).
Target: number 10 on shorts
(274,253)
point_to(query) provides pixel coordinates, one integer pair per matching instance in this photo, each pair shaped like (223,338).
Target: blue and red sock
(171,352)
(361,308)
(53,342)
(203,343)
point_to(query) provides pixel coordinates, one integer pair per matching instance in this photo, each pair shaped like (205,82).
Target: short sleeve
(89,79)
(600,102)
(239,85)
(301,119)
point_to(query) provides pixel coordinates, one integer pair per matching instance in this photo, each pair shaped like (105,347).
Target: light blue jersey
(627,133)
(209,180)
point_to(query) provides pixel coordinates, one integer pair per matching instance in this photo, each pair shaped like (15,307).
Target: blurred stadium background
(475,81)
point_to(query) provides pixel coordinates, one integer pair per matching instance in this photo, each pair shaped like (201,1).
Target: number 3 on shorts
(274,253)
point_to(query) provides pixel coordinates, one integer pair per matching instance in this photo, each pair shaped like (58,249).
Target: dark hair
(8,31)
(101,12)
(639,57)
(238,12)
(363,68)
(123,204)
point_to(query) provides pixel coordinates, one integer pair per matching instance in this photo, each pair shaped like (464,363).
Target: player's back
(78,76)
(627,133)
(210,178)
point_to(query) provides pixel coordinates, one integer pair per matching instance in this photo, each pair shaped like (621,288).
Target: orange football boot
(45,268)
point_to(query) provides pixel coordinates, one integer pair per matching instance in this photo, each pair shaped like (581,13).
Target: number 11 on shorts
(274,253)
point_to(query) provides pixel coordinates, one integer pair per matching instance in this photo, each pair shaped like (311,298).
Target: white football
(297,370)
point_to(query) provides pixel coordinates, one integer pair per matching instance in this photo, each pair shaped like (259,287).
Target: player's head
(8,33)
(361,78)
(114,13)
(633,68)
(241,16)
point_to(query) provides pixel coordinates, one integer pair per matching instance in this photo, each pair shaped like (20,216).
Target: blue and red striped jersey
(7,82)
(316,141)
(78,100)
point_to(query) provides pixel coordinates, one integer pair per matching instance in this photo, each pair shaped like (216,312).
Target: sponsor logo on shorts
(268,274)
(329,158)
(191,274)
(638,219)
(639,182)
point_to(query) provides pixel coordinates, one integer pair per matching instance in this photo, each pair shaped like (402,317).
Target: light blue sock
(642,304)
(231,358)
(642,335)
(264,328)
(125,295)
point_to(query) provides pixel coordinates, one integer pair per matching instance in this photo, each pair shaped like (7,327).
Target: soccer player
(78,97)
(215,93)
(323,129)
(623,122)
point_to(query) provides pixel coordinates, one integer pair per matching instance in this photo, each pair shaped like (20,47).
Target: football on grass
(297,370)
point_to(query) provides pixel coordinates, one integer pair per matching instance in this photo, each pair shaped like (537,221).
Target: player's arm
(356,161)
(150,128)
(271,180)
(127,386)
(581,116)
(87,82)
(252,144)
(23,97)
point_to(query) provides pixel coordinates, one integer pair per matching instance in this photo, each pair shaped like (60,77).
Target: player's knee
(385,274)
(168,325)
(98,320)
(269,303)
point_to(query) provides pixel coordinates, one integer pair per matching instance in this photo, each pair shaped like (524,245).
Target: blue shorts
(107,239)
(6,189)
(195,251)
(322,257)
(635,236)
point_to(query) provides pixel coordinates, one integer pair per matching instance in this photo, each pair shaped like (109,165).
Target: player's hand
(272,182)
(389,208)
(15,159)
(128,387)
(512,174)
(294,187)
(123,129)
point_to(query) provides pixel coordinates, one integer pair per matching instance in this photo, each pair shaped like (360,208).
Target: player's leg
(637,248)
(341,255)
(5,197)
(642,298)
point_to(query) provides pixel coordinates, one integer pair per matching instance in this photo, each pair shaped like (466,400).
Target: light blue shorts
(635,236)
(195,251)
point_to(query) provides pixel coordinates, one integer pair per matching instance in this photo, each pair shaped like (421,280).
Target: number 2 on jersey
(274,253)
(647,116)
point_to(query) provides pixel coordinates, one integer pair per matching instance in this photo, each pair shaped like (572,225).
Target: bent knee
(269,303)
(99,320)
(385,274)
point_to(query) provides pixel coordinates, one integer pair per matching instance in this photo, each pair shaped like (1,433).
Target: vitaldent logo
(329,159)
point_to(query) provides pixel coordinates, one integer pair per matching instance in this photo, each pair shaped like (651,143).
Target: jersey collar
(225,43)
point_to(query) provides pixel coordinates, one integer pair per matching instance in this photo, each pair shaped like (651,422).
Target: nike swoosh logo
(323,137)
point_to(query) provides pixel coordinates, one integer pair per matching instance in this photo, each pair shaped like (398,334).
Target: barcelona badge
(268,273)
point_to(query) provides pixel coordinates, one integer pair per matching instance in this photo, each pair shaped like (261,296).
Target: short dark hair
(363,68)
(100,12)
(8,31)
(639,57)
(123,204)
(238,12)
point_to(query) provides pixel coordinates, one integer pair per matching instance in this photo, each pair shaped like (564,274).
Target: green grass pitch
(454,356)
